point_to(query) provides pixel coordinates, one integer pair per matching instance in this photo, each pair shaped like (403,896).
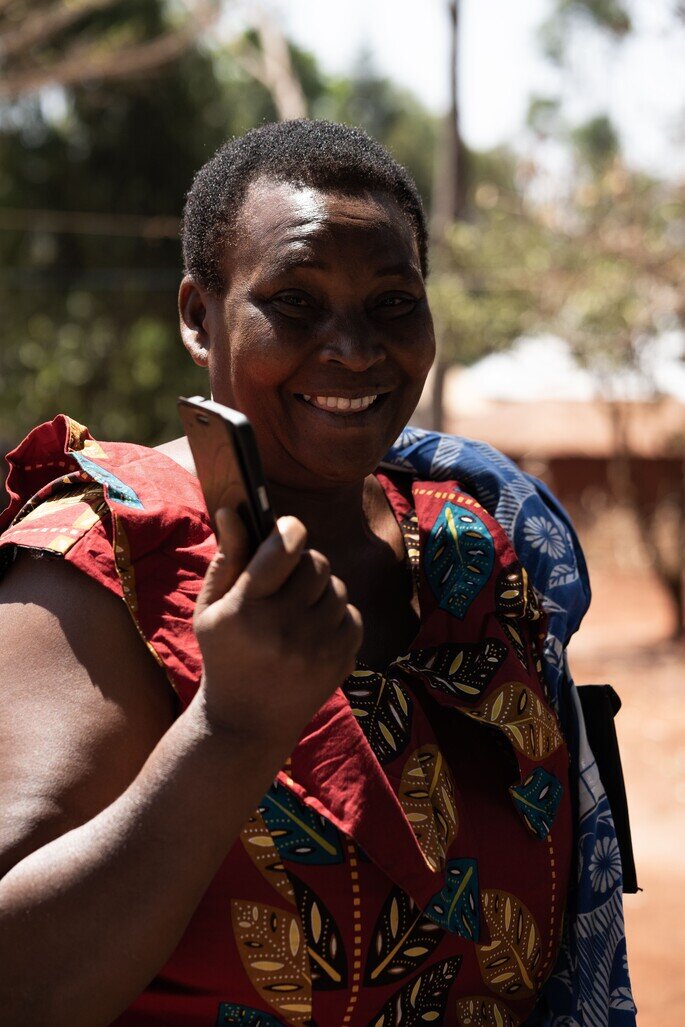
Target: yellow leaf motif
(270,945)
(427,797)
(477,1011)
(509,962)
(260,847)
(529,724)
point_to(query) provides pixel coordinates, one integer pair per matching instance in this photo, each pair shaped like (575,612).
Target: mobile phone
(227,463)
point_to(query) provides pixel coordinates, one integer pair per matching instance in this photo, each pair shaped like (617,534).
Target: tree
(52,42)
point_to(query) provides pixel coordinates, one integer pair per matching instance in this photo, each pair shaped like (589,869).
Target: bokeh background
(547,139)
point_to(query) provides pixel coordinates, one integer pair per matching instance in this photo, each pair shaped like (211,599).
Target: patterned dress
(411,862)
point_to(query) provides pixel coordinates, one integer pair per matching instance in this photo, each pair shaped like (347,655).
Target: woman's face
(323,337)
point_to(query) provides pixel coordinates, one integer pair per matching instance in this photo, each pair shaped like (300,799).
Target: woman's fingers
(310,579)
(332,602)
(275,560)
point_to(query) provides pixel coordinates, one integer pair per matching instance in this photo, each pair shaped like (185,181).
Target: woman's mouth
(341,404)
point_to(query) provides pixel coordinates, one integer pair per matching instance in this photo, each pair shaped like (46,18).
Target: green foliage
(610,16)
(603,269)
(482,291)
(596,142)
(543,115)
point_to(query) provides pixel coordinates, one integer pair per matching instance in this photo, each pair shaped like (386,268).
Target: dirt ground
(624,642)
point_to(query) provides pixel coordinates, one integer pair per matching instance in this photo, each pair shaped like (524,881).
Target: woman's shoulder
(537,525)
(63,453)
(127,516)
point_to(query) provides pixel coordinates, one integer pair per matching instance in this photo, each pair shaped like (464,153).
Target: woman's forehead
(282,217)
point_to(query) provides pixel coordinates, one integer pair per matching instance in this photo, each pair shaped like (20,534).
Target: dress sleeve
(128,517)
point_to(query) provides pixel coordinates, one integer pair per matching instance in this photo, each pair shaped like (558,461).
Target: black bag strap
(600,704)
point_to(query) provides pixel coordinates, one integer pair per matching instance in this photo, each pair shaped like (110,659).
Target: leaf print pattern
(116,489)
(260,847)
(484,1012)
(511,591)
(458,558)
(231,1015)
(455,907)
(516,636)
(299,833)
(325,946)
(515,596)
(528,723)
(274,955)
(427,797)
(516,603)
(537,800)
(383,710)
(422,1000)
(509,962)
(464,671)
(402,939)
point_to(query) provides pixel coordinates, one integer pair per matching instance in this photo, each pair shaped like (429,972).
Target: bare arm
(87,917)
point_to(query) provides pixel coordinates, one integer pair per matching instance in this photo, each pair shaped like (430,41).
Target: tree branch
(271,65)
(42,24)
(91,64)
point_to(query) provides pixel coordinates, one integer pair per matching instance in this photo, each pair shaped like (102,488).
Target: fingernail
(291,533)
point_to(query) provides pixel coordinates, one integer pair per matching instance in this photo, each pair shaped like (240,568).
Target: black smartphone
(227,463)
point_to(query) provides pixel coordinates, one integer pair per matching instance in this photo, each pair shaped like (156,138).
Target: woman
(411,861)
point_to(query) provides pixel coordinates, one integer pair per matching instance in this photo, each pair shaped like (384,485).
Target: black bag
(600,704)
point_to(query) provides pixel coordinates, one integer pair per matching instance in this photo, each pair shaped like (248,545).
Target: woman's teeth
(340,402)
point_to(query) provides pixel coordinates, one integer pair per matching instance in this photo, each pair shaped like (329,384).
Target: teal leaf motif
(117,490)
(456,907)
(537,800)
(244,1016)
(459,557)
(299,833)
(464,671)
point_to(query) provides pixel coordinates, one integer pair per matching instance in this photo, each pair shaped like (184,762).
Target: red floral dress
(410,863)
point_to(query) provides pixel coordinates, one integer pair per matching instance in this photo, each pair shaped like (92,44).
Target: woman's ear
(194,323)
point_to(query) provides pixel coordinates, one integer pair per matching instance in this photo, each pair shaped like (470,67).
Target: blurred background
(547,139)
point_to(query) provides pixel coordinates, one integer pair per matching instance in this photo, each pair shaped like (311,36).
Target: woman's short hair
(320,154)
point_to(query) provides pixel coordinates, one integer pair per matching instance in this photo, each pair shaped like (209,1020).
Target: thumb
(229,561)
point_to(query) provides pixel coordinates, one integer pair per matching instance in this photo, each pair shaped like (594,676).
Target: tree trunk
(448,195)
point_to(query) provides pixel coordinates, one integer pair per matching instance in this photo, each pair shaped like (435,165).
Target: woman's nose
(353,347)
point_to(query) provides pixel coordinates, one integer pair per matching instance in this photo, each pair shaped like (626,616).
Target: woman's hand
(277,636)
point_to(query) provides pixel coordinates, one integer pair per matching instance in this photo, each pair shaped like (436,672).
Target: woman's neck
(336,516)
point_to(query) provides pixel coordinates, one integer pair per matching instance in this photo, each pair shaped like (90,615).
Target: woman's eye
(396,304)
(293,299)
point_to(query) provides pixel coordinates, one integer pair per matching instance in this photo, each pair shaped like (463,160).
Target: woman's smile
(341,404)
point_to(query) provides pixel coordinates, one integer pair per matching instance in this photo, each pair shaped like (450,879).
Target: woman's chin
(316,468)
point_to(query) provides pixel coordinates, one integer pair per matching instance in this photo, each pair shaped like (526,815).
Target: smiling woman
(327,785)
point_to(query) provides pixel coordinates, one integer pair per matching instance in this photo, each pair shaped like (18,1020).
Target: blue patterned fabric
(590,985)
